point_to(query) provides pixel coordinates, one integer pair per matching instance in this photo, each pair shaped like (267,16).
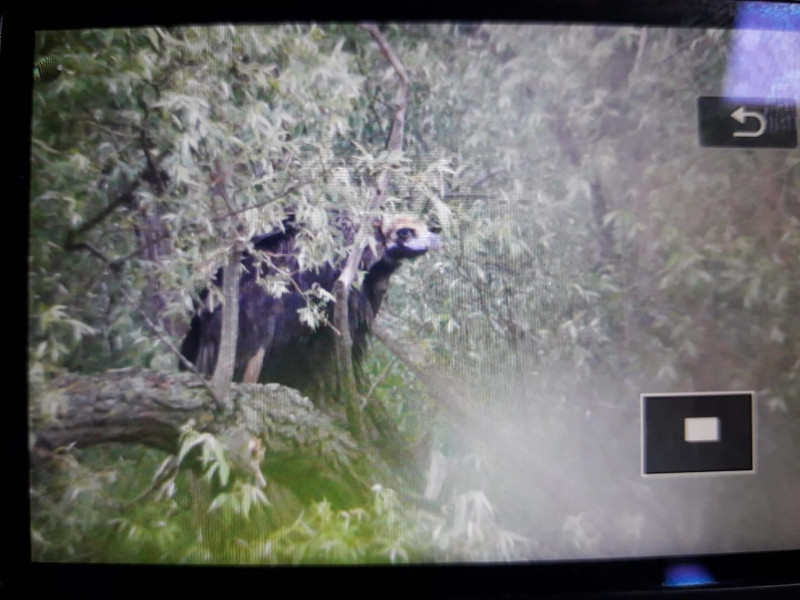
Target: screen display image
(413,293)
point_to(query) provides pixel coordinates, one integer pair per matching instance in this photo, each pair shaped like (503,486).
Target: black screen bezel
(766,574)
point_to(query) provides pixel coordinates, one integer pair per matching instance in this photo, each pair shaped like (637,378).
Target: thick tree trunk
(138,406)
(226,357)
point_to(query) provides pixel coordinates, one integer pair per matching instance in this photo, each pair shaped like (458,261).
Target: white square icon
(701,429)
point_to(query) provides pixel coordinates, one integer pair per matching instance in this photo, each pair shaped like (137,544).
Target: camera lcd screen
(344,293)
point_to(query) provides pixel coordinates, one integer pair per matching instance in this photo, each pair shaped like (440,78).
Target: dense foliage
(593,250)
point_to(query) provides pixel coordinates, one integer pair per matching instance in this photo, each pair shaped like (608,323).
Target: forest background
(592,251)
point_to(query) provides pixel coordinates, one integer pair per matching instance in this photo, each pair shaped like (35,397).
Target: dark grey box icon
(747,122)
(697,433)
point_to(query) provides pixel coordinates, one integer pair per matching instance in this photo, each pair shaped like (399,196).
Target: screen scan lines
(577,455)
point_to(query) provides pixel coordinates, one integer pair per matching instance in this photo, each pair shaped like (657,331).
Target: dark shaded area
(768,574)
(292,353)
(675,12)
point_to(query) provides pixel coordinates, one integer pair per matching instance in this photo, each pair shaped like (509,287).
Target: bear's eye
(405,233)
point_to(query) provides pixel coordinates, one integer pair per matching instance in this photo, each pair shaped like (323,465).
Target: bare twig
(69,245)
(489,175)
(158,331)
(103,127)
(120,200)
(239,211)
(378,380)
(142,248)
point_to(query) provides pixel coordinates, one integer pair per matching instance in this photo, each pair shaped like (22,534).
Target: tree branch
(344,342)
(122,199)
(125,405)
(239,211)
(144,407)
(443,389)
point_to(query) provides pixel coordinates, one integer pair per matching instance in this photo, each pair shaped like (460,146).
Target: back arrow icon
(741,115)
